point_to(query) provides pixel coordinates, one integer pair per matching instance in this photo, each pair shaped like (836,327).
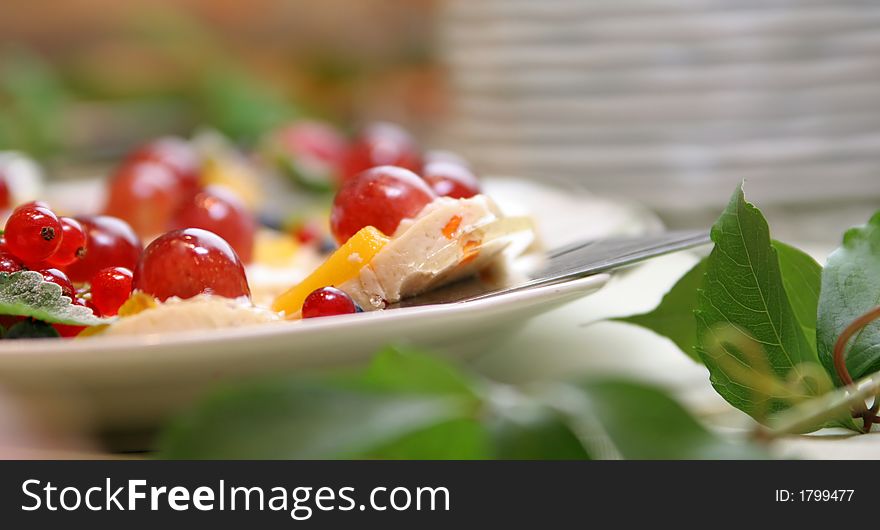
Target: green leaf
(642,423)
(31,329)
(303,420)
(458,439)
(674,316)
(851,287)
(541,436)
(802,279)
(26,293)
(404,405)
(749,336)
(402,370)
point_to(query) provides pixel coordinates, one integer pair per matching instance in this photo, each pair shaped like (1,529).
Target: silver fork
(571,262)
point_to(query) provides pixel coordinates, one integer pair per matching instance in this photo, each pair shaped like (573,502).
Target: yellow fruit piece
(92,331)
(274,248)
(137,303)
(341,266)
(234,176)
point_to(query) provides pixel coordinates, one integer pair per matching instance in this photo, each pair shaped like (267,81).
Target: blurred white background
(672,103)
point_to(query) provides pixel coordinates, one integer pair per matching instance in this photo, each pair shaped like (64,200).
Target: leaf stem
(868,415)
(820,410)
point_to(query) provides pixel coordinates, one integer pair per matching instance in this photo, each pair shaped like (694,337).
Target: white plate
(125,383)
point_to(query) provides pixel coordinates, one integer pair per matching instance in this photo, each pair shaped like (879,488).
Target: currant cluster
(103,256)
(65,250)
(158,188)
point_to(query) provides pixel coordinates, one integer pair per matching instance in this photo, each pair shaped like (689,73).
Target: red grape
(73,243)
(174,153)
(144,194)
(328,301)
(111,287)
(313,152)
(382,144)
(380,197)
(188,262)
(9,263)
(451,179)
(217,210)
(60,279)
(33,232)
(110,242)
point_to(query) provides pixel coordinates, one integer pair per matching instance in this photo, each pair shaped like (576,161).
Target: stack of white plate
(670,102)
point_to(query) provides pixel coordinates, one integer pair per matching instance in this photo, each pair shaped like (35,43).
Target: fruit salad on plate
(182,242)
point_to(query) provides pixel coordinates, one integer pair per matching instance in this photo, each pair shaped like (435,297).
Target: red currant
(60,279)
(451,179)
(145,194)
(380,197)
(73,243)
(382,144)
(66,330)
(188,262)
(9,263)
(217,210)
(177,155)
(110,242)
(328,301)
(33,232)
(111,287)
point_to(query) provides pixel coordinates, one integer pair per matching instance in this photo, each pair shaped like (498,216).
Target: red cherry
(217,210)
(188,262)
(73,243)
(382,144)
(110,242)
(33,232)
(328,301)
(9,263)
(145,194)
(176,154)
(60,279)
(380,197)
(451,179)
(111,287)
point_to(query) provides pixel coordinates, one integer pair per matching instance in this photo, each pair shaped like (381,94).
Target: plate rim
(98,346)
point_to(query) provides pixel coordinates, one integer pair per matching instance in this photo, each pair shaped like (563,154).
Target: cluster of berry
(97,251)
(158,188)
(99,260)
(207,233)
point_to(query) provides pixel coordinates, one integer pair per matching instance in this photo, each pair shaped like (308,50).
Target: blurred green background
(97,76)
